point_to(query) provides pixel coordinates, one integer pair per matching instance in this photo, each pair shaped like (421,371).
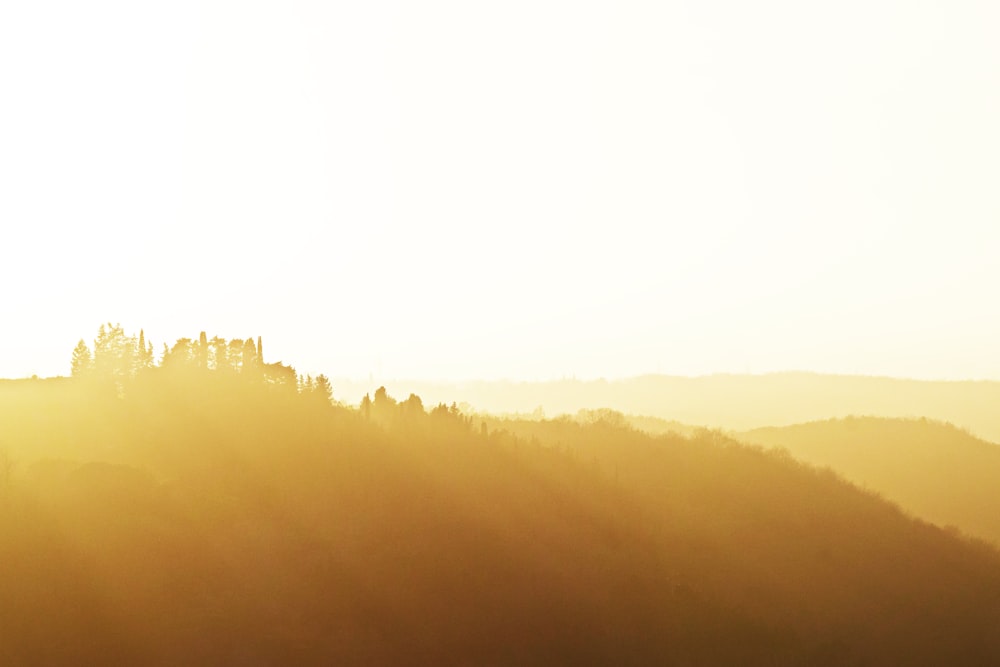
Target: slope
(201,518)
(932,469)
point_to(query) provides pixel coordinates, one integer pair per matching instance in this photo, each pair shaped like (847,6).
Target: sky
(521,189)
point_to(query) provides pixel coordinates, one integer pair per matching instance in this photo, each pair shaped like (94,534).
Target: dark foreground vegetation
(198,515)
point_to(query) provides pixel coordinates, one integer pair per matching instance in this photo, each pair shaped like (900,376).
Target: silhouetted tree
(383,406)
(235,354)
(323,387)
(382,401)
(143,353)
(219,354)
(180,355)
(250,361)
(279,374)
(203,350)
(413,405)
(114,355)
(83,362)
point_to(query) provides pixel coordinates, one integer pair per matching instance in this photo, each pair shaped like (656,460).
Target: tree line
(117,358)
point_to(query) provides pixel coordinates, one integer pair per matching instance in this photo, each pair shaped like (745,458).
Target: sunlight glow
(528,190)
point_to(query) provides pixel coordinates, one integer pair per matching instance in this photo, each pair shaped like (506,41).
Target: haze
(524,189)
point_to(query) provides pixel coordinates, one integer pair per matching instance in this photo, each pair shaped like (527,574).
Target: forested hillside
(938,472)
(194,513)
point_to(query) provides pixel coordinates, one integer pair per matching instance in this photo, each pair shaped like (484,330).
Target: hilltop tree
(235,354)
(413,405)
(384,407)
(322,387)
(382,401)
(250,361)
(114,354)
(203,350)
(278,374)
(143,353)
(181,354)
(219,354)
(83,361)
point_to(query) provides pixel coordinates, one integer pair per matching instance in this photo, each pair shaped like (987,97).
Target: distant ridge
(932,469)
(734,402)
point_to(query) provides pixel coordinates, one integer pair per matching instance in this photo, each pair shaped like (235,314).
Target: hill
(731,402)
(197,517)
(938,472)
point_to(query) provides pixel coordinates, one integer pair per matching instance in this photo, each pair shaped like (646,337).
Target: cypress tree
(82,360)
(203,350)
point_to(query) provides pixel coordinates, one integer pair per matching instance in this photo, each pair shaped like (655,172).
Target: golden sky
(520,189)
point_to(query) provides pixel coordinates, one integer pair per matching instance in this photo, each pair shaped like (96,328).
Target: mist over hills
(732,402)
(185,514)
(932,469)
(288,194)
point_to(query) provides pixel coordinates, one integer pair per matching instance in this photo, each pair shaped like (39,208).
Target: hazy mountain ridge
(731,402)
